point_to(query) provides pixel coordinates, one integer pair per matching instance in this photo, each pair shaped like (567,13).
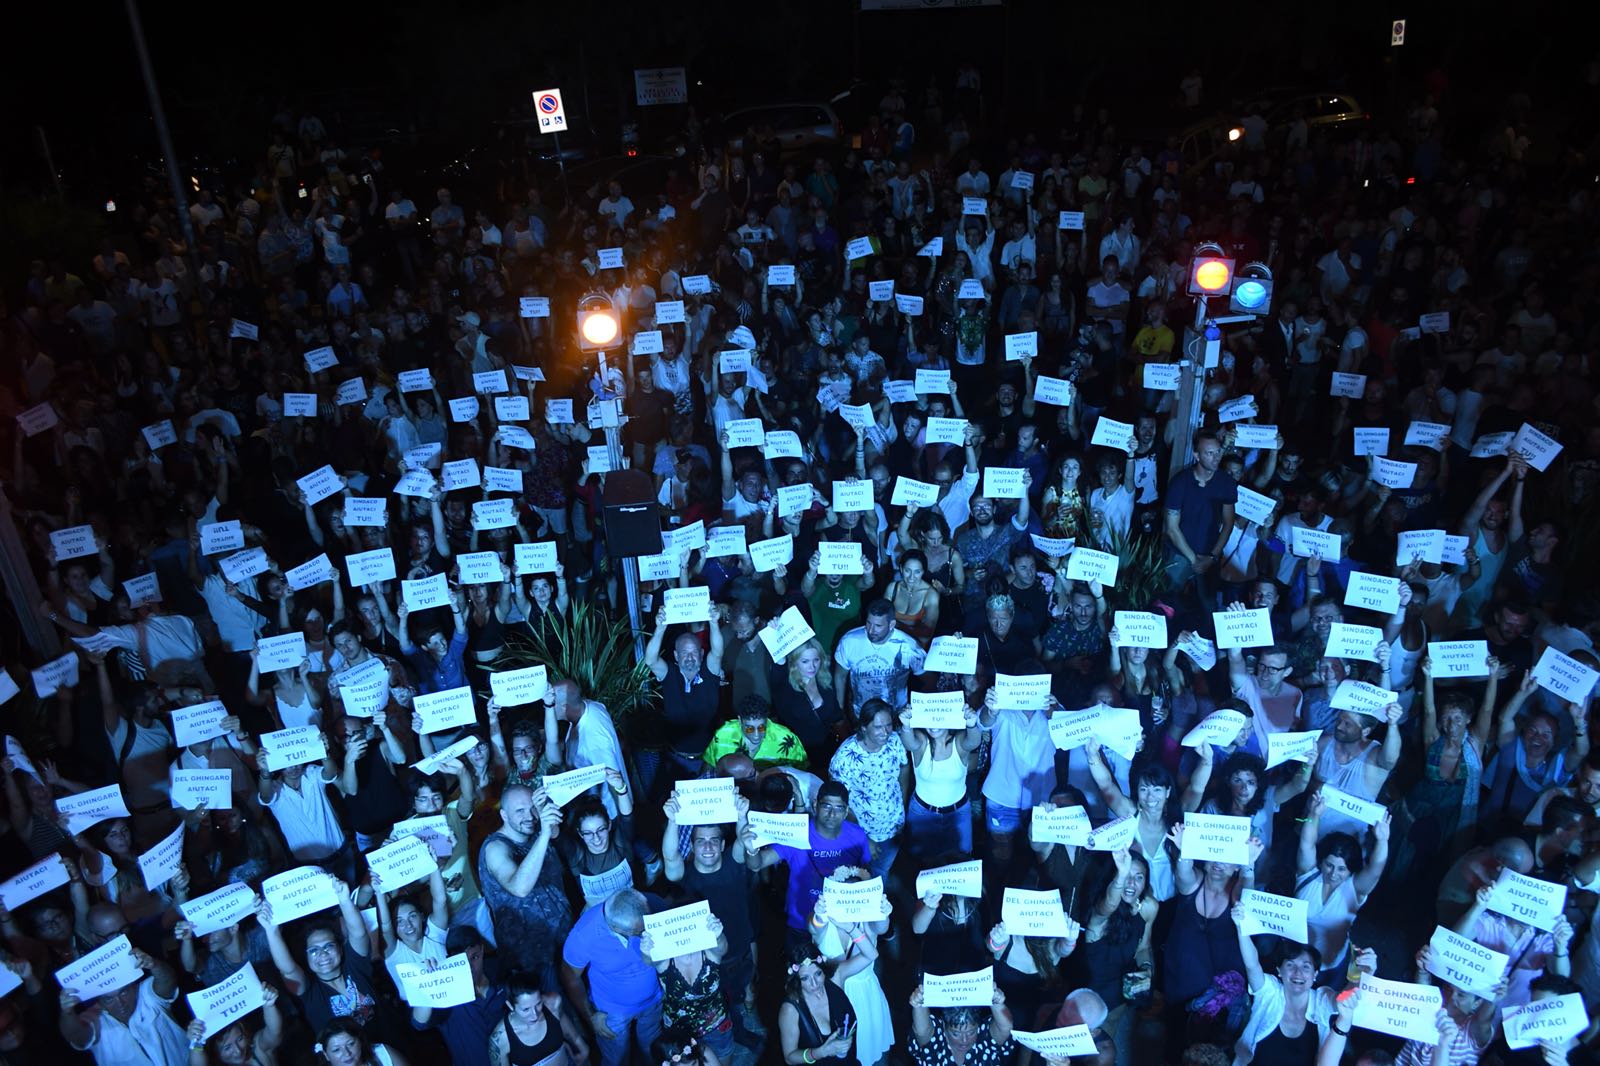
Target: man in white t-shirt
(1336,270)
(616,207)
(1108,298)
(973,181)
(875,661)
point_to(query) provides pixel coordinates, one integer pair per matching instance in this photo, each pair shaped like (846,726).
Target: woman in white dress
(1334,880)
(855,944)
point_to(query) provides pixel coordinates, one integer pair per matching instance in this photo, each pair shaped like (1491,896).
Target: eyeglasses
(593,834)
(329,948)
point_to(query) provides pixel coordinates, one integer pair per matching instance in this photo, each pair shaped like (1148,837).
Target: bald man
(591,738)
(1479,867)
(520,877)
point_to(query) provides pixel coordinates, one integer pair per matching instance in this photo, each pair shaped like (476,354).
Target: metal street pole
(611,422)
(1191,391)
(163,134)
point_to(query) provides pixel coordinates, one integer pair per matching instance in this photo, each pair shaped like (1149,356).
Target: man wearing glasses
(1274,702)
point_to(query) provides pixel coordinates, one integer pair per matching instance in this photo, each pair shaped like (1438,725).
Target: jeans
(1002,819)
(645,1029)
(883,856)
(1181,572)
(934,834)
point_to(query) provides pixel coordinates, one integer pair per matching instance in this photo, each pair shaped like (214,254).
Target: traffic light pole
(611,422)
(1191,391)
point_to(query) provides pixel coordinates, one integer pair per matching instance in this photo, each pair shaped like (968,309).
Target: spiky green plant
(585,645)
(1141,576)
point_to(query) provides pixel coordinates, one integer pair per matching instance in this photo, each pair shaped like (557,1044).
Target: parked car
(797,127)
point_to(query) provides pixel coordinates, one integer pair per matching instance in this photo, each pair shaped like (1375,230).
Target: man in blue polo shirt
(1199,514)
(624,993)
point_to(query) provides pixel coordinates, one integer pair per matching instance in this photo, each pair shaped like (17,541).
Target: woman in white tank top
(295,701)
(939,815)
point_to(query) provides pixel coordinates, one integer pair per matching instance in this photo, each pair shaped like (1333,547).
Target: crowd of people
(997,708)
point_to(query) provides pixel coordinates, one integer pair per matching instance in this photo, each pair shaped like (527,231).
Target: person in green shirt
(768,743)
(835,600)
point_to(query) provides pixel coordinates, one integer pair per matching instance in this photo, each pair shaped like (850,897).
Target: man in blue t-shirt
(1199,513)
(837,846)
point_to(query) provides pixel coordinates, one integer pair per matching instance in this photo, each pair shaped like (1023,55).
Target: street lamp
(599,330)
(1252,290)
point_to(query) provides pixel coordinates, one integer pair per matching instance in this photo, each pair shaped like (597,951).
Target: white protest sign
(1528,899)
(297,746)
(1314,544)
(1393,473)
(1052,547)
(839,557)
(105,969)
(217,537)
(1216,838)
(857,415)
(696,284)
(668,312)
(366,568)
(974,989)
(1201,651)
(929,382)
(650,342)
(243,330)
(160,435)
(790,830)
(1554,1018)
(971,289)
(478,568)
(451,709)
(780,274)
(1243,629)
(1026,912)
(785,633)
(1055,391)
(880,291)
(1088,564)
(934,247)
(1424,545)
(1252,435)
(353,390)
(1362,697)
(682,931)
(1459,658)
(1068,1042)
(558,412)
(143,589)
(1370,440)
(533,306)
(1565,676)
(1021,346)
(214,788)
(1003,483)
(907,304)
(1163,377)
(299,405)
(425,593)
(859,248)
(74,542)
(1352,386)
(708,801)
(518,688)
(693,604)
(1114,835)
(160,864)
(245,564)
(46,875)
(490,382)
(793,499)
(974,205)
(855,901)
(1060,825)
(283,652)
(610,259)
(309,573)
(766,555)
(37,419)
(1399,1008)
(907,492)
(1237,409)
(1109,433)
(435,762)
(957,879)
(415,380)
(198,723)
(500,478)
(460,474)
(1455,550)
(220,1005)
(56,674)
(746,433)
(434,831)
(945,431)
(1022,692)
(1346,641)
(1268,914)
(512,408)
(408,860)
(1292,747)
(1252,506)
(852,496)
(952,655)
(1535,446)
(1372,592)
(85,809)
(499,513)
(782,444)
(1433,435)
(725,540)
(1070,220)
(364,689)
(537,557)
(936,710)
(1114,727)
(319,359)
(298,892)
(1464,963)
(1363,811)
(1220,727)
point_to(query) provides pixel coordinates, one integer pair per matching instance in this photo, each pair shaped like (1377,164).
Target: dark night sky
(222,67)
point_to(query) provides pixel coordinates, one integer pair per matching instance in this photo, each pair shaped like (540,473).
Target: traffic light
(1252,290)
(1210,272)
(599,328)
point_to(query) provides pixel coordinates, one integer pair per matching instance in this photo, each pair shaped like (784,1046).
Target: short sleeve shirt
(873,778)
(1199,506)
(985,1052)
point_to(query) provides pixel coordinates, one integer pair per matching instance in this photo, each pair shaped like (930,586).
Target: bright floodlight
(1250,294)
(599,328)
(598,324)
(1252,289)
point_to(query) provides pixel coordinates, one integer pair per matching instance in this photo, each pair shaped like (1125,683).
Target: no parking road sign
(552,114)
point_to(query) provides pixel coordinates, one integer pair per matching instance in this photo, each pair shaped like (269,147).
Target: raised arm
(1247,951)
